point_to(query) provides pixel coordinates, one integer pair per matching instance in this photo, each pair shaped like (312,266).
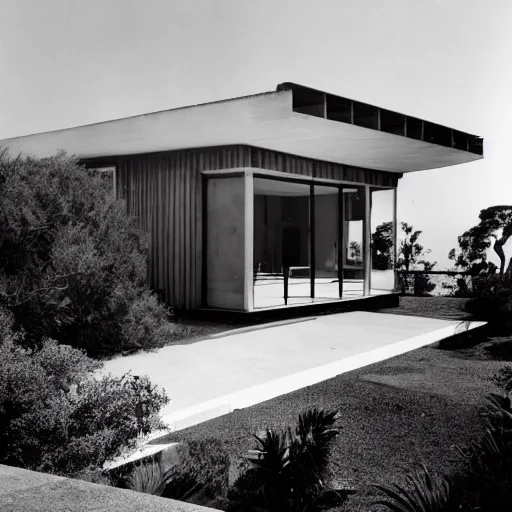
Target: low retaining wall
(29,491)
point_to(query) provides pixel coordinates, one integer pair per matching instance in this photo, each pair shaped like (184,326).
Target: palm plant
(422,492)
(149,478)
(290,469)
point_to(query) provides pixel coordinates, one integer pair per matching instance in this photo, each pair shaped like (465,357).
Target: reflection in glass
(382,240)
(353,246)
(326,242)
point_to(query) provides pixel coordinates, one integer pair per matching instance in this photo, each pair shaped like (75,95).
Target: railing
(411,282)
(418,282)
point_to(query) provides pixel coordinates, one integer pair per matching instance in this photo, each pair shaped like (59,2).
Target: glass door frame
(366,235)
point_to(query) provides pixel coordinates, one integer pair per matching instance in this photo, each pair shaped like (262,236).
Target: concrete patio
(240,368)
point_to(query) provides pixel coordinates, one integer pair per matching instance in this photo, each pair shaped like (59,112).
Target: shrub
(56,417)
(72,263)
(492,301)
(201,477)
(500,349)
(502,378)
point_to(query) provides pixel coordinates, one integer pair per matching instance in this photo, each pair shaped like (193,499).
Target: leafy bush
(499,349)
(492,301)
(290,471)
(72,264)
(502,378)
(201,477)
(56,417)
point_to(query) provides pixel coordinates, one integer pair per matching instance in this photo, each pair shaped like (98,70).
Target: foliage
(201,477)
(289,470)
(382,245)
(355,251)
(72,263)
(55,416)
(411,254)
(94,476)
(502,378)
(495,224)
(422,492)
(149,477)
(492,300)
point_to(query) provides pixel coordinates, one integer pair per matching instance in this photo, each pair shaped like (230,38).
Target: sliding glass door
(282,271)
(309,242)
(326,237)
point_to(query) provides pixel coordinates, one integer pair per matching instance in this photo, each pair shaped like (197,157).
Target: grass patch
(448,308)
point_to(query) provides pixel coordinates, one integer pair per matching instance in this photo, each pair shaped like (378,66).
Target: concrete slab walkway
(217,375)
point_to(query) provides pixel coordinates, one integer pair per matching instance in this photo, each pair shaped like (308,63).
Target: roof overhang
(293,119)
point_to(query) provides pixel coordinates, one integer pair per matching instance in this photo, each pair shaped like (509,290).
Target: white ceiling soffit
(264,120)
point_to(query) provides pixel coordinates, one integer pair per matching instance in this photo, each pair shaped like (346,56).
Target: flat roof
(293,119)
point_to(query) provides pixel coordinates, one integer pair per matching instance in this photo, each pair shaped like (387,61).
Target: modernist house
(265,201)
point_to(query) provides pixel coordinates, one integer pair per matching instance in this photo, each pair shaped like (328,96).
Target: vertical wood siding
(164,191)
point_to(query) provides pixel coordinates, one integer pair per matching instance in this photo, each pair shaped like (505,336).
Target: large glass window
(326,240)
(309,241)
(353,241)
(382,278)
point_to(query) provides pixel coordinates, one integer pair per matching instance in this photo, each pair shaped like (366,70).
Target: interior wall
(269,227)
(326,230)
(226,243)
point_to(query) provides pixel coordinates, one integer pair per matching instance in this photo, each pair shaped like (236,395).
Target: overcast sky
(70,62)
